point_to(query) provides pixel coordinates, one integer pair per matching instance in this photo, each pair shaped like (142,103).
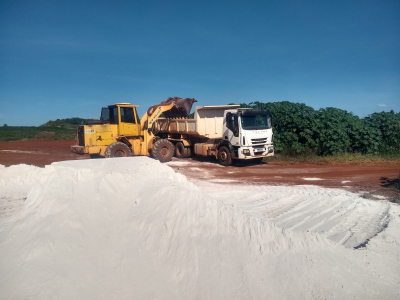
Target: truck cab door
(232,129)
(129,125)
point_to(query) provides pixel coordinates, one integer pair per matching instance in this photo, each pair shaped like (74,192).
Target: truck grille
(259,141)
(81,135)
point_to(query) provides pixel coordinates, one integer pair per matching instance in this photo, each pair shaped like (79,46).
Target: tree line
(300,129)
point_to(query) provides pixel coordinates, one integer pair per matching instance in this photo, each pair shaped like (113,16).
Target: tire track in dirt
(340,216)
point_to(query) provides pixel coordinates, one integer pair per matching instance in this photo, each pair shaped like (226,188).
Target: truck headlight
(270,149)
(246,151)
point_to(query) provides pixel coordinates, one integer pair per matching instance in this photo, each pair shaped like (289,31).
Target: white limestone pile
(131,228)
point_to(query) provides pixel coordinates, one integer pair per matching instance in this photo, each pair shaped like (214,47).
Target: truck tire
(117,149)
(163,150)
(180,150)
(224,156)
(188,152)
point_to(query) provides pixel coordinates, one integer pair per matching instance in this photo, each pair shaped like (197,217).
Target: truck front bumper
(255,152)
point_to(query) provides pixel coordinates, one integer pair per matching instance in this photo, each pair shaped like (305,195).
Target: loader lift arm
(172,108)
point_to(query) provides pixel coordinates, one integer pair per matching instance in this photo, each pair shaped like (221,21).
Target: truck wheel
(117,150)
(180,150)
(163,150)
(224,156)
(188,152)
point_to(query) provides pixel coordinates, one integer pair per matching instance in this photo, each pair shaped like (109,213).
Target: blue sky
(61,59)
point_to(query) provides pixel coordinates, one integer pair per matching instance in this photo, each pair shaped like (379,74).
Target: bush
(300,129)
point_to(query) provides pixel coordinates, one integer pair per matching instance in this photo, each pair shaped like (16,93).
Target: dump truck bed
(207,122)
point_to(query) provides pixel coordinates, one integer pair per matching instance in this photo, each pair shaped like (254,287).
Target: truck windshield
(256,122)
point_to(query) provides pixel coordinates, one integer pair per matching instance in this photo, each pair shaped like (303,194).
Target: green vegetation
(67,123)
(302,130)
(60,129)
(17,133)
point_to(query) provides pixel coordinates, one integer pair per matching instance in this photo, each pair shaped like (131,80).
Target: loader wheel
(224,156)
(117,150)
(180,150)
(163,150)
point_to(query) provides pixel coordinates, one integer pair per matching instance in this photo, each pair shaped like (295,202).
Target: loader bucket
(180,110)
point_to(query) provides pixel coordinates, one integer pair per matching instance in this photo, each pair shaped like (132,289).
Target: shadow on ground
(235,163)
(386,182)
(393,184)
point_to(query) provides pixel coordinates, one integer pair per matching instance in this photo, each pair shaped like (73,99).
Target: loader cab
(124,116)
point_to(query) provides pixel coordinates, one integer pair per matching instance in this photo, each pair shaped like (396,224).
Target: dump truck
(226,132)
(120,133)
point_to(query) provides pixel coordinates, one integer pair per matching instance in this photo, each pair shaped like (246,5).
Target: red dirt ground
(37,152)
(375,178)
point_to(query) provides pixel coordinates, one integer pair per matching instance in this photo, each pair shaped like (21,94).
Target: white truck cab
(249,131)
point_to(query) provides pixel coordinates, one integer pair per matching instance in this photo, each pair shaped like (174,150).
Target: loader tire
(180,150)
(224,156)
(163,150)
(117,149)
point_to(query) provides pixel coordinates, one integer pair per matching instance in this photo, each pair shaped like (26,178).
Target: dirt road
(375,178)
(36,152)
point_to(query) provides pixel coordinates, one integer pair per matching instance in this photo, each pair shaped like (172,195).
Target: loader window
(113,115)
(127,115)
(104,114)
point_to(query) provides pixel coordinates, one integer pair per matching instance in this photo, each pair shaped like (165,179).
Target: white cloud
(382,105)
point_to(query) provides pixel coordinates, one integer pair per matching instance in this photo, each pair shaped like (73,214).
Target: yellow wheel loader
(120,133)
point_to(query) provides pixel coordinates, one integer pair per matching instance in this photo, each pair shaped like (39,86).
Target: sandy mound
(15,183)
(341,216)
(132,228)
